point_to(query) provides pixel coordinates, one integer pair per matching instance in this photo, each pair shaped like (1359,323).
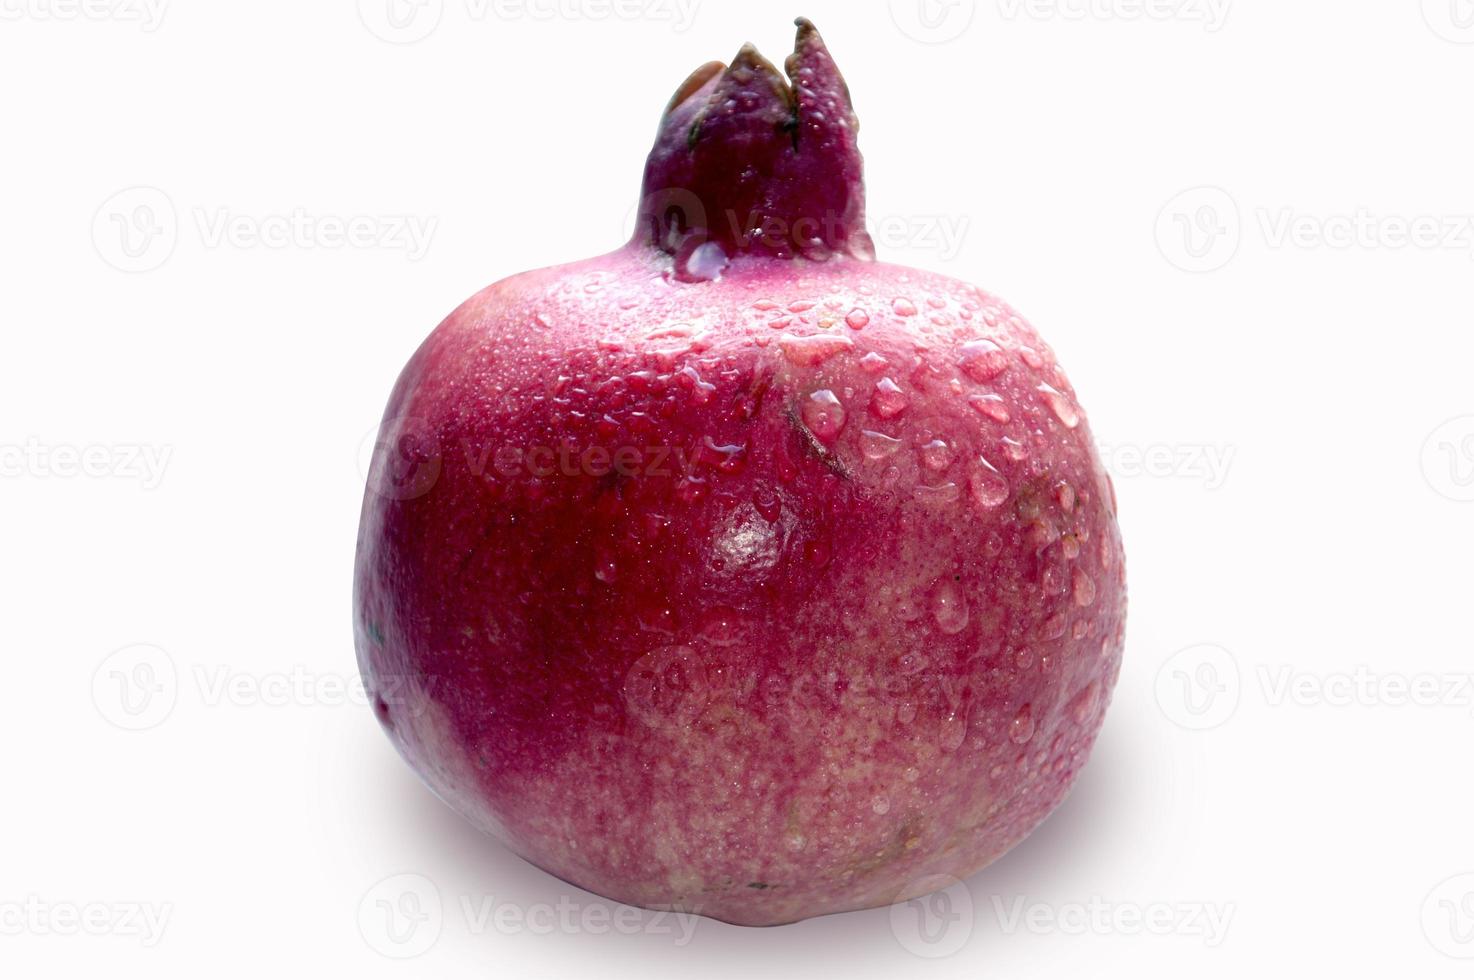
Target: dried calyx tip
(747,161)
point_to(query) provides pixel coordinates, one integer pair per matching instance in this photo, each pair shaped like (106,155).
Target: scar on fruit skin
(816,447)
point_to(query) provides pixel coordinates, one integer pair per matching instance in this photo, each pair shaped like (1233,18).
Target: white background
(1205,207)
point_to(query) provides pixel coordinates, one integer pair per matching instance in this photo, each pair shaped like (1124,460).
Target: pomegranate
(736,571)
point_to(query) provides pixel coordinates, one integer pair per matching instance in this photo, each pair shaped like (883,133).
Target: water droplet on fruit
(862,246)
(878,445)
(811,351)
(903,307)
(949,608)
(936,455)
(1065,494)
(857,319)
(953,731)
(880,804)
(1031,357)
(988,486)
(873,363)
(767,503)
(604,568)
(937,496)
(1060,403)
(889,400)
(1015,450)
(1083,707)
(703,263)
(824,415)
(1021,729)
(982,360)
(1084,588)
(990,405)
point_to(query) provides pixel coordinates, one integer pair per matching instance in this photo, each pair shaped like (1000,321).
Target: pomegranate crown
(748,162)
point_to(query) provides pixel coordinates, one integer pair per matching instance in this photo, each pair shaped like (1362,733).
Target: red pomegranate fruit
(735,571)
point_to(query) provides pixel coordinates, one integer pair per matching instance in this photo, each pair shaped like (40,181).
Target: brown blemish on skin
(907,838)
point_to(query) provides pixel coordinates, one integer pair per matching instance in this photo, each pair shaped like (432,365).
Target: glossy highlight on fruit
(735,571)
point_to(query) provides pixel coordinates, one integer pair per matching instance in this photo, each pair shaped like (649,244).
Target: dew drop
(1084,705)
(873,363)
(903,307)
(990,405)
(880,804)
(949,608)
(824,415)
(768,504)
(1060,403)
(815,350)
(604,568)
(1021,729)
(936,456)
(703,263)
(1065,494)
(889,400)
(1084,588)
(988,486)
(857,319)
(982,360)
(1031,357)
(878,445)
(954,730)
(937,496)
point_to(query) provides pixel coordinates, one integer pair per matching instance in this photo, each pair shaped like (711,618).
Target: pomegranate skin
(763,598)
